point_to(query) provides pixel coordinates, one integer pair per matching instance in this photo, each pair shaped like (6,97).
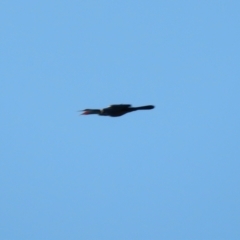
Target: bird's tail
(148,107)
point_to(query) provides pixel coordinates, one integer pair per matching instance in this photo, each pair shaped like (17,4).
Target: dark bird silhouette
(116,110)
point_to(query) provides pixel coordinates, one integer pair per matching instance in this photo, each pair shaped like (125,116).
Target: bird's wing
(120,106)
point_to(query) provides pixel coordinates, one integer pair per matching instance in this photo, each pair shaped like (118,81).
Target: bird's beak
(85,113)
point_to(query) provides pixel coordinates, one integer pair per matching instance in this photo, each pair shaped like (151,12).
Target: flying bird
(115,110)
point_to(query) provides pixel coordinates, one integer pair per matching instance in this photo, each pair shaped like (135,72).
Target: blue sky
(171,173)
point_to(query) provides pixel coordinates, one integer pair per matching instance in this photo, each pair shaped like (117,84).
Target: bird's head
(90,111)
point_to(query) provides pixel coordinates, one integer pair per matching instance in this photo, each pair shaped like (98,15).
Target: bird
(115,110)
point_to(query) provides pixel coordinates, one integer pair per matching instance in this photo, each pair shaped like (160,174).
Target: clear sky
(171,173)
